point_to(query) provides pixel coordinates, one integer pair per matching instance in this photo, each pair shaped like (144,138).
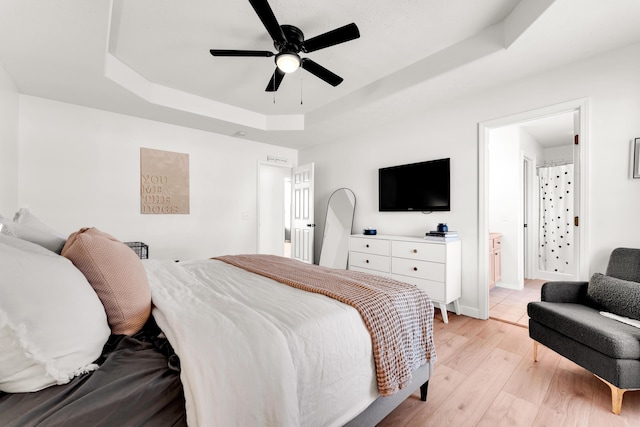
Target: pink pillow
(116,274)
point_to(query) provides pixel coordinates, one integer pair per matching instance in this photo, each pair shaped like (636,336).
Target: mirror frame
(324,231)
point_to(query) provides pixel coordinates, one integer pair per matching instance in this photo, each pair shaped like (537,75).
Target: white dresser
(432,266)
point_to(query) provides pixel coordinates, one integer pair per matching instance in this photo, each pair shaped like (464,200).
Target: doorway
(517,218)
(274,209)
(285,211)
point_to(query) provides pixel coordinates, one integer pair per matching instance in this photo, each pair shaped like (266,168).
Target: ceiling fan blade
(264,12)
(333,37)
(275,81)
(231,52)
(320,72)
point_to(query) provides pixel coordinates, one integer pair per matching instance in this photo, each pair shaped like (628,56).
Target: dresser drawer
(420,269)
(370,246)
(369,261)
(435,290)
(419,250)
(495,241)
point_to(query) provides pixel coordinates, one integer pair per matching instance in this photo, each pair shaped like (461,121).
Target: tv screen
(420,186)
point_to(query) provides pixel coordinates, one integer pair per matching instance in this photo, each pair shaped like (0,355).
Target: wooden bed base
(382,406)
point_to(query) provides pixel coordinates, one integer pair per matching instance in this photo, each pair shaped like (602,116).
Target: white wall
(505,194)
(563,153)
(9,102)
(610,81)
(80,167)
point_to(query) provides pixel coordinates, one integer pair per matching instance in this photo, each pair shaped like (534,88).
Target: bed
(234,340)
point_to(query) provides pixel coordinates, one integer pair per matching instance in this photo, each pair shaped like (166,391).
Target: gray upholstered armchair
(595,324)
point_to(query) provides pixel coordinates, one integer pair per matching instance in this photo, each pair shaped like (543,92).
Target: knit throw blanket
(399,316)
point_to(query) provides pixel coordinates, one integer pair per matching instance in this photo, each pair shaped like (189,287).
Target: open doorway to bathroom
(531,175)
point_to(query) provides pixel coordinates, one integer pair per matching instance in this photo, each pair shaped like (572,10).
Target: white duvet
(255,352)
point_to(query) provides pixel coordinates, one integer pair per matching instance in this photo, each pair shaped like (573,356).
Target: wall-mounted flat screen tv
(422,187)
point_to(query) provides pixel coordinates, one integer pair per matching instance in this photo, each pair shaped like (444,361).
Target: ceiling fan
(289,42)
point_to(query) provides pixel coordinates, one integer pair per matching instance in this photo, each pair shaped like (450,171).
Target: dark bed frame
(383,406)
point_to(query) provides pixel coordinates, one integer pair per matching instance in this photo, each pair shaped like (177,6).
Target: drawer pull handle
(366,261)
(366,246)
(415,251)
(415,268)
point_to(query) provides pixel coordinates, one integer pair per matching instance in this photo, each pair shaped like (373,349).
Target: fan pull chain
(300,90)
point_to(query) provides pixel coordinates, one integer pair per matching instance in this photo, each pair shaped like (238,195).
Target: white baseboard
(512,286)
(465,310)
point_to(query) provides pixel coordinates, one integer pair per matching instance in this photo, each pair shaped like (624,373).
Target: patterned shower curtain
(556,219)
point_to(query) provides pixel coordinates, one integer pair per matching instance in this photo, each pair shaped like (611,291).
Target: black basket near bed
(141,249)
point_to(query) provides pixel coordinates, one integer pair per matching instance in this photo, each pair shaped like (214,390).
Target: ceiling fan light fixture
(288,62)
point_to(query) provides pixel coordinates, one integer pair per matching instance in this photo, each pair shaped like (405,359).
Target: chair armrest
(574,292)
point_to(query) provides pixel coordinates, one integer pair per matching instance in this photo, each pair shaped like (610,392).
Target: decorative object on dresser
(441,236)
(495,259)
(434,266)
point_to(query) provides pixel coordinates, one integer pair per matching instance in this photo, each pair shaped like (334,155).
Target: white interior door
(302,222)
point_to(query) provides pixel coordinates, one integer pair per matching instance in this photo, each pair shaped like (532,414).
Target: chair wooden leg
(616,396)
(535,351)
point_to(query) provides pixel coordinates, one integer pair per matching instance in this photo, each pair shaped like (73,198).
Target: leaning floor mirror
(337,229)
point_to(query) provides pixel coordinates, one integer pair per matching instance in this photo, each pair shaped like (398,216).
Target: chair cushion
(587,326)
(616,296)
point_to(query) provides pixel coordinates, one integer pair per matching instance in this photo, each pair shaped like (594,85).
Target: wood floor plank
(568,400)
(517,341)
(507,411)
(531,380)
(601,415)
(414,412)
(468,404)
(485,374)
(484,339)
(449,346)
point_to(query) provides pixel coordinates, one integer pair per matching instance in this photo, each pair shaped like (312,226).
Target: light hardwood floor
(510,305)
(485,376)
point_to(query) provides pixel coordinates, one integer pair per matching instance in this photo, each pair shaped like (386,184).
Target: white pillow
(25,245)
(52,324)
(26,217)
(28,227)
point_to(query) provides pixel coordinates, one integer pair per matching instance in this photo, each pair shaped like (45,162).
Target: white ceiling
(150,58)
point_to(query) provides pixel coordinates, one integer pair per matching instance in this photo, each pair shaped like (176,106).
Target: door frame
(529,218)
(579,106)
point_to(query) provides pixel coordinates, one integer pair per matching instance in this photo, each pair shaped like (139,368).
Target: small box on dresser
(430,265)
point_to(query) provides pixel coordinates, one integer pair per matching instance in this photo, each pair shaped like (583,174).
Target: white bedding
(260,353)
